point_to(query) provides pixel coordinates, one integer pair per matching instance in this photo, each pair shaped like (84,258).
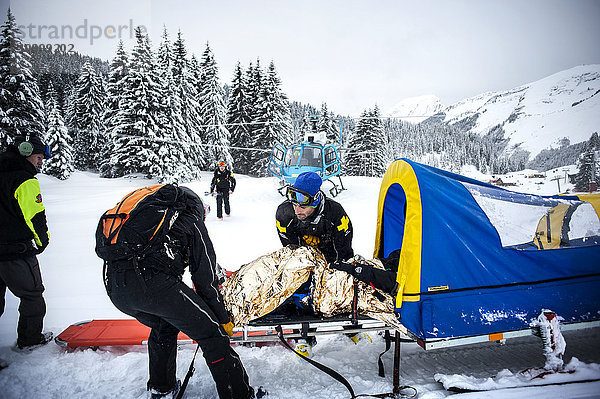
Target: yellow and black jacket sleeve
(29,197)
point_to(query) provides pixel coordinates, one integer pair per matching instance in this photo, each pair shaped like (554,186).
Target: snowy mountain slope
(416,109)
(537,115)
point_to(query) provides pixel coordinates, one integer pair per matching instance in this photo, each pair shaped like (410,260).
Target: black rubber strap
(354,302)
(388,344)
(318,365)
(411,392)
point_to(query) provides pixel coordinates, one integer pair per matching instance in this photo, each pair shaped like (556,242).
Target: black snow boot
(156,394)
(44,339)
(261,393)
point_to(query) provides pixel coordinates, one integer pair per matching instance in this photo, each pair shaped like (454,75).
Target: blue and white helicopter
(313,154)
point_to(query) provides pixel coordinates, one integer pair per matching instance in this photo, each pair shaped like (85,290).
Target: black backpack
(138,224)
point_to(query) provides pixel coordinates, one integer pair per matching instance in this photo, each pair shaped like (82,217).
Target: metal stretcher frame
(306,328)
(343,325)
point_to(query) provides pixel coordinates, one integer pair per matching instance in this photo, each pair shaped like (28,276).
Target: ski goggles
(302,198)
(222,164)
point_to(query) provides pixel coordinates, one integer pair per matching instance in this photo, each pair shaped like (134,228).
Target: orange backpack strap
(120,213)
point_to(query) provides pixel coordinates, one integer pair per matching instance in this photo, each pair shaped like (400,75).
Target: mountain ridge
(535,116)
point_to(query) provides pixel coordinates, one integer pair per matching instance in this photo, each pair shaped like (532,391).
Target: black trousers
(167,306)
(223,199)
(24,280)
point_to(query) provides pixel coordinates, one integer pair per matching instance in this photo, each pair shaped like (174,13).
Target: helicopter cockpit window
(311,156)
(292,156)
(278,154)
(329,155)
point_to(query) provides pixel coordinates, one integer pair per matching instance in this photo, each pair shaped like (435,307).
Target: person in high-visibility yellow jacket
(23,235)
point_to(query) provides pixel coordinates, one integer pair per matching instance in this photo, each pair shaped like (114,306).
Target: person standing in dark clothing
(222,184)
(23,235)
(163,302)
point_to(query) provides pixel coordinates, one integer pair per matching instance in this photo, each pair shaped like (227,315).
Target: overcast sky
(350,54)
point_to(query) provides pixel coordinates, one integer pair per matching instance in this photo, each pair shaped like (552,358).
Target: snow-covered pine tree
(238,122)
(589,165)
(274,121)
(88,111)
(368,154)
(117,72)
(379,144)
(254,82)
(358,156)
(282,113)
(21,107)
(57,136)
(175,167)
(446,145)
(137,124)
(299,114)
(185,75)
(213,112)
(114,87)
(328,125)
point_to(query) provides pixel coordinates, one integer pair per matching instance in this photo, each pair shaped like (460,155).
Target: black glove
(40,249)
(380,279)
(361,271)
(342,266)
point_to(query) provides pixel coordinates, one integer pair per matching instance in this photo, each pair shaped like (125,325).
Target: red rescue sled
(131,332)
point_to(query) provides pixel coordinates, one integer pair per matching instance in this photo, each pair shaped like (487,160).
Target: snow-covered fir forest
(162,112)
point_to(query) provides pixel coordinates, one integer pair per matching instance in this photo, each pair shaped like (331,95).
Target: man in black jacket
(23,235)
(222,184)
(163,302)
(307,217)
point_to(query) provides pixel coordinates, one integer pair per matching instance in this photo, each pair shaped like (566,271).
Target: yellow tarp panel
(409,267)
(549,228)
(593,199)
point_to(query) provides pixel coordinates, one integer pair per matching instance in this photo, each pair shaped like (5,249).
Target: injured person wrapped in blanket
(262,285)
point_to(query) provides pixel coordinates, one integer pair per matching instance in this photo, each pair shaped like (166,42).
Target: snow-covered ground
(74,292)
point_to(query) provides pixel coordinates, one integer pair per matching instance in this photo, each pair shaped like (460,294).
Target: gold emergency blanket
(260,286)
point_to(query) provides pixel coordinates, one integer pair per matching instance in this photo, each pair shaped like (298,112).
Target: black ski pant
(167,306)
(24,279)
(223,199)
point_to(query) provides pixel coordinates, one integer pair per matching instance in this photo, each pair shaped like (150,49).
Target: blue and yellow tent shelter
(478,259)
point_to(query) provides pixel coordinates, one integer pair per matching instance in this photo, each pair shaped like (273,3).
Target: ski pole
(189,374)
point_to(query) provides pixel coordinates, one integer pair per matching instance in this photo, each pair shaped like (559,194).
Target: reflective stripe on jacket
(23,227)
